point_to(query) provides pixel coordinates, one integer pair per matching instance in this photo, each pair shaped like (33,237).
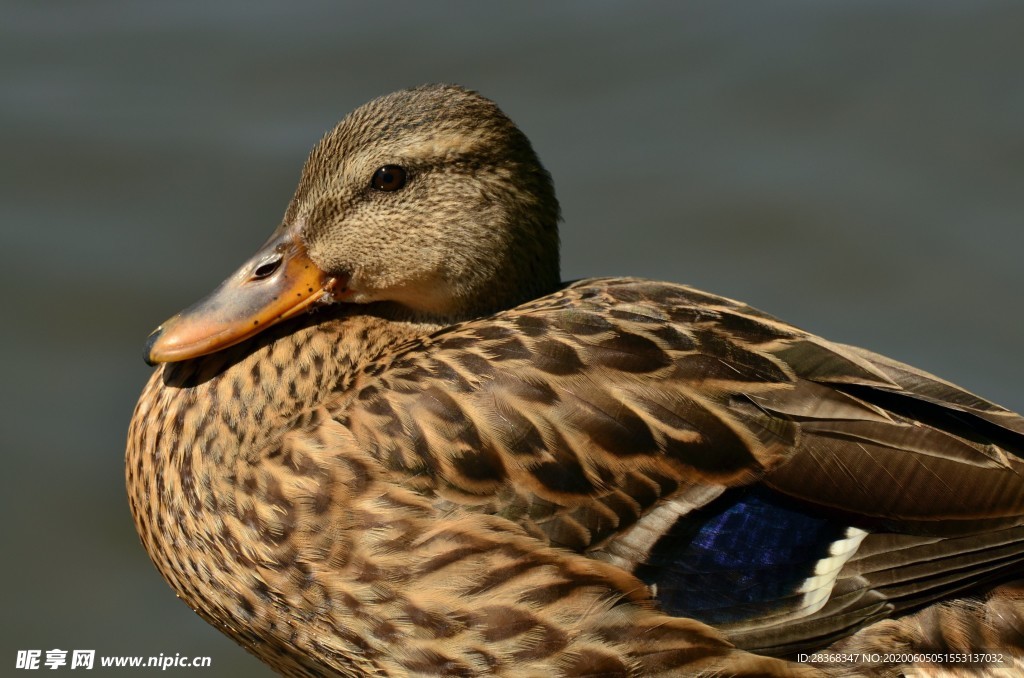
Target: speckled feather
(418,485)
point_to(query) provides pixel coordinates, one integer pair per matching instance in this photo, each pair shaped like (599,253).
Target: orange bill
(277,283)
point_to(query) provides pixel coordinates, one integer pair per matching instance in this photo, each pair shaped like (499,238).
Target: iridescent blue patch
(744,555)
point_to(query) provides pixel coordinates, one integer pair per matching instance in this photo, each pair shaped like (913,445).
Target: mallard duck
(395,443)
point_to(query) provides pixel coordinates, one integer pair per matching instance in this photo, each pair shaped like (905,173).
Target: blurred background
(855,168)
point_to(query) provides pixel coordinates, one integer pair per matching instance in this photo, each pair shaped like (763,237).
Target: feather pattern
(616,478)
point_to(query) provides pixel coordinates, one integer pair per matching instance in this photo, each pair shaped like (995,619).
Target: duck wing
(757,478)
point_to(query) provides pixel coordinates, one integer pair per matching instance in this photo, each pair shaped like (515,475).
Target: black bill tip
(149,346)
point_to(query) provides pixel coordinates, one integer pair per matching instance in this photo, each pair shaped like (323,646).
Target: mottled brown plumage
(467,468)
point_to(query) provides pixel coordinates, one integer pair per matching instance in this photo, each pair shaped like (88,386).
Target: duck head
(429,200)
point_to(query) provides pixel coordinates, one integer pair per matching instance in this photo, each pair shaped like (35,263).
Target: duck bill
(279,282)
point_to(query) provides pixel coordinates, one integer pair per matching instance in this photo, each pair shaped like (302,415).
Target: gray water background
(856,168)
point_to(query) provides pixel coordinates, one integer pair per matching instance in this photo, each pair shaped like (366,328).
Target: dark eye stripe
(388,178)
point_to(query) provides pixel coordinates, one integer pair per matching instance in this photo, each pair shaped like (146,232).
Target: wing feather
(598,417)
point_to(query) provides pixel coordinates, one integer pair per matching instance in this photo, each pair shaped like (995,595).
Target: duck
(395,443)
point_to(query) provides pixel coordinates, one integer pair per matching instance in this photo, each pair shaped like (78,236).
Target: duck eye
(388,178)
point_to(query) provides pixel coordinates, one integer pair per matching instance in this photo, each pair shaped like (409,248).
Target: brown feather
(444,477)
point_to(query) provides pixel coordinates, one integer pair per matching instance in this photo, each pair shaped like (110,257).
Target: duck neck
(257,388)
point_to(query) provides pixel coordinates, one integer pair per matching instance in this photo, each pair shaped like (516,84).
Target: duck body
(611,477)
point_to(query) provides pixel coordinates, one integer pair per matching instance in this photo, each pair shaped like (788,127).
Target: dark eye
(388,178)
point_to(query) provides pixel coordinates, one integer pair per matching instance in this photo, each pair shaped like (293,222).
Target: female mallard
(457,465)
